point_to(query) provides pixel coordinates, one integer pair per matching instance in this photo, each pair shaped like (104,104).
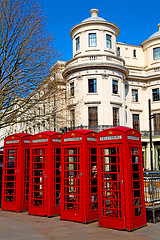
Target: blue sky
(136,19)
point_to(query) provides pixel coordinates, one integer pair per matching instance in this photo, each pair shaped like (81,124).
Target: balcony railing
(146,133)
(99,128)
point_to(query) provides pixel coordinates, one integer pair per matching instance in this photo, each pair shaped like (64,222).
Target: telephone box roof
(121,129)
(83,131)
(48,133)
(21,135)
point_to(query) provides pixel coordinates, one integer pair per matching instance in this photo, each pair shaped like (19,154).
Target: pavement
(21,226)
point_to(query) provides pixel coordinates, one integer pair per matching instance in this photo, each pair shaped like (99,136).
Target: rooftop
(94,16)
(156,34)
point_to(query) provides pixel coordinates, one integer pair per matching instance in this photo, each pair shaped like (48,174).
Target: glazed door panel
(112,189)
(38,180)
(10,179)
(137,188)
(72,182)
(93,191)
(26,176)
(57,176)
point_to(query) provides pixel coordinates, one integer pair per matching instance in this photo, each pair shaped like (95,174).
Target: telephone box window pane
(71,179)
(10,175)
(111,187)
(93,178)
(38,167)
(57,175)
(26,175)
(136,181)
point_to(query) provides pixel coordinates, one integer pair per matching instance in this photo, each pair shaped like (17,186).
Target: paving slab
(21,226)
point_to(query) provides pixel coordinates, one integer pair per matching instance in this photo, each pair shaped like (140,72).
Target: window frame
(135,95)
(77,43)
(116,120)
(156,53)
(134,53)
(136,123)
(114,86)
(118,51)
(92,85)
(72,118)
(93,117)
(72,89)
(157,122)
(108,41)
(92,41)
(155,95)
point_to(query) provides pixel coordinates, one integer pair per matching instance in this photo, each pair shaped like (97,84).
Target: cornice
(79,25)
(95,65)
(93,102)
(143,78)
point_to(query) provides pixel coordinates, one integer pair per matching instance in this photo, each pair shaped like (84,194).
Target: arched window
(134,53)
(118,51)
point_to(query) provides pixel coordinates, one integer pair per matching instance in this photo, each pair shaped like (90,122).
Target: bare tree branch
(26,53)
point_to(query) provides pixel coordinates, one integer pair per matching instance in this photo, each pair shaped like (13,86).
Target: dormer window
(156,53)
(77,43)
(108,41)
(92,40)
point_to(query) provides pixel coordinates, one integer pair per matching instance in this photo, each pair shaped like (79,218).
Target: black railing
(96,128)
(99,128)
(152,191)
(146,133)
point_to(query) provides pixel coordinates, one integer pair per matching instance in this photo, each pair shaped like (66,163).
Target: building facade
(106,83)
(110,83)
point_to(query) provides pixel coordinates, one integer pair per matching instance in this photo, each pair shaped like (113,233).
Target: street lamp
(150,132)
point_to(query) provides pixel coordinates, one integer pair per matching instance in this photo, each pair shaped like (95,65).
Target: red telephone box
(45,162)
(120,175)
(15,187)
(79,200)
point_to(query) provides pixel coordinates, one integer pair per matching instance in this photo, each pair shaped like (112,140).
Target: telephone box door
(111,191)
(10,179)
(72,208)
(38,181)
(137,188)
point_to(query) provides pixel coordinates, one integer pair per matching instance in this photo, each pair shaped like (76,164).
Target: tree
(26,53)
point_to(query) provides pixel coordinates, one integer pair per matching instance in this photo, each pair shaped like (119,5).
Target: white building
(110,83)
(107,84)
